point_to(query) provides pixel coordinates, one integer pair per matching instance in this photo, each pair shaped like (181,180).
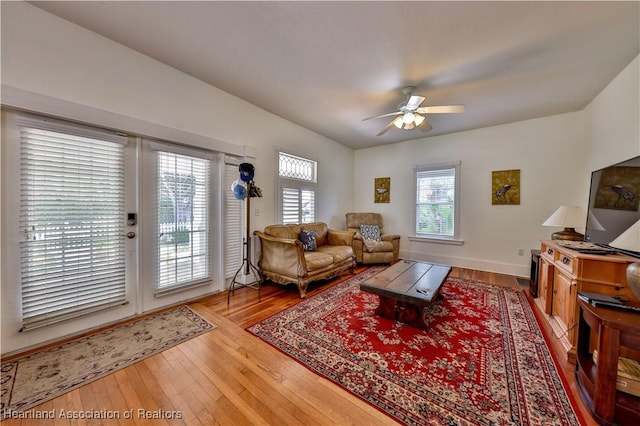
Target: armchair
(384,250)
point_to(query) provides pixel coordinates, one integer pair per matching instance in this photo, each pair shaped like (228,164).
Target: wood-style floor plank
(230,377)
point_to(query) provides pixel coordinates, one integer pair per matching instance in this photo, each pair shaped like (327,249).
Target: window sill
(451,241)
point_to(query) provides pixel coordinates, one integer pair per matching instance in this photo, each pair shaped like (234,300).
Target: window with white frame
(71,213)
(437,194)
(183,212)
(297,189)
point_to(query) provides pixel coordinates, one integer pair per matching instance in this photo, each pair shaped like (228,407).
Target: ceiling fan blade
(385,128)
(425,126)
(441,109)
(383,115)
(414,102)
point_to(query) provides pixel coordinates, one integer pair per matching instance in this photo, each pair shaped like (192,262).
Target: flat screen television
(614,198)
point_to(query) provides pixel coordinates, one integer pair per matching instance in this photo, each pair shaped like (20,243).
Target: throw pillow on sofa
(308,240)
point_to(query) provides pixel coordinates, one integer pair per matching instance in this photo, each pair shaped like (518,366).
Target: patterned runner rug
(33,379)
(483,361)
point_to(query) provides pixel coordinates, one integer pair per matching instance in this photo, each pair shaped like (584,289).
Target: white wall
(60,61)
(545,150)
(52,66)
(612,124)
(555,156)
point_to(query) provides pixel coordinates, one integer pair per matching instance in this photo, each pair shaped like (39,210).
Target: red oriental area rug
(483,361)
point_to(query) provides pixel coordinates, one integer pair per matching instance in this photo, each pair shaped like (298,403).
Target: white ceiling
(328,65)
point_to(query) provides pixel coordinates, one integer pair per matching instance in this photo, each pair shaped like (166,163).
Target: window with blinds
(436,200)
(297,180)
(72,216)
(298,206)
(183,187)
(233,213)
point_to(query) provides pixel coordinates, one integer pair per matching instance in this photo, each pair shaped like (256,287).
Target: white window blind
(72,216)
(233,220)
(436,201)
(297,180)
(183,188)
(298,206)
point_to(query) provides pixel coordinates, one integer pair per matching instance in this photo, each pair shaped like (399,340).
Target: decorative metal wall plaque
(382,190)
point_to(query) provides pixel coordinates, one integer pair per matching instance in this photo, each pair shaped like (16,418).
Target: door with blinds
(100,226)
(183,242)
(74,252)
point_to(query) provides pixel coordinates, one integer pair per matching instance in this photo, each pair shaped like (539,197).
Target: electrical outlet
(520,252)
(257,212)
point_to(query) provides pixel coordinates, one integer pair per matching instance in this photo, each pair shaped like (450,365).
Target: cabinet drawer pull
(549,251)
(566,260)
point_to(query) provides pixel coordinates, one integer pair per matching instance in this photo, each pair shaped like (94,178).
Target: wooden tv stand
(562,273)
(613,333)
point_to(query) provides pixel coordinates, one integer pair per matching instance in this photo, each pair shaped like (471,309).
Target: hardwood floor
(229,377)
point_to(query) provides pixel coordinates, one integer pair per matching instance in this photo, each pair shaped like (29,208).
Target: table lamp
(630,240)
(569,218)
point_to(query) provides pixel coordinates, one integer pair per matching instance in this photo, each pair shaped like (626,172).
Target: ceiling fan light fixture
(408,118)
(408,115)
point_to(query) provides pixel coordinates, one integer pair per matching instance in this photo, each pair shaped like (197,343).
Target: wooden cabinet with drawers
(563,272)
(545,284)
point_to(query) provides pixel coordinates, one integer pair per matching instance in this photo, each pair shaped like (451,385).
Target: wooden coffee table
(406,289)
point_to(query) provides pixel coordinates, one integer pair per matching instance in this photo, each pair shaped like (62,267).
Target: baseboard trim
(519,270)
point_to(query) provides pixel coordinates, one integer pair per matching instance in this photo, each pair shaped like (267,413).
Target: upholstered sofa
(383,249)
(284,260)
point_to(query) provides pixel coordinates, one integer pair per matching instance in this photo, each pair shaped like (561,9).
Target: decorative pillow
(370,232)
(308,240)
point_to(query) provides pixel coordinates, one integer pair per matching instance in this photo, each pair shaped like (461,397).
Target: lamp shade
(408,120)
(567,217)
(408,117)
(629,239)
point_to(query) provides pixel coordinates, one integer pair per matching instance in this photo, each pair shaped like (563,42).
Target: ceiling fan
(411,115)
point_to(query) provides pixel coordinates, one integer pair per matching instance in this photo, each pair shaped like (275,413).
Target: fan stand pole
(246,264)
